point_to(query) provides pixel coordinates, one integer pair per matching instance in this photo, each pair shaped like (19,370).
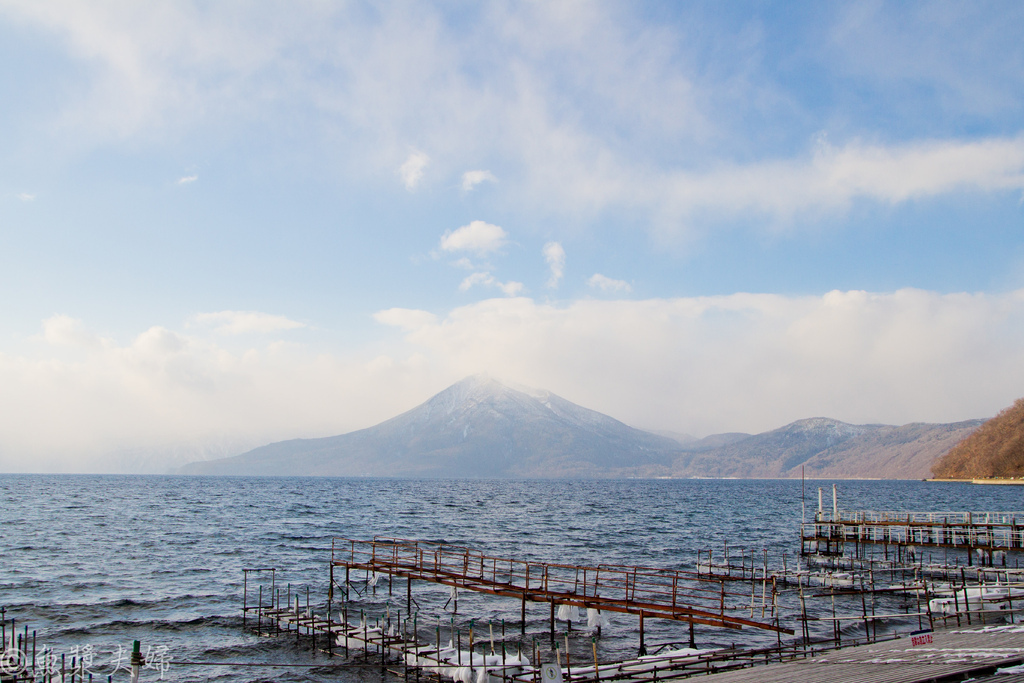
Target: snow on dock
(954,655)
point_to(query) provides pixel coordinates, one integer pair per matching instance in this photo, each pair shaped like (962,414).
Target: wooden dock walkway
(642,591)
(954,655)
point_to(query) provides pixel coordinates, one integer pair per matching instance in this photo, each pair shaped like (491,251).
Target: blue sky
(223,224)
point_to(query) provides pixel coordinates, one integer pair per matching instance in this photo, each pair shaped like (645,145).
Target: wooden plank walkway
(955,655)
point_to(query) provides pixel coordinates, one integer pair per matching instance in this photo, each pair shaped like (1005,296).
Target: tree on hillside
(995,450)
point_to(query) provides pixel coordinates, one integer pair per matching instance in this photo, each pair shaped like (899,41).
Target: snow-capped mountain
(477,427)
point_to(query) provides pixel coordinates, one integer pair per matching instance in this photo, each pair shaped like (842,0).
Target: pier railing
(905,517)
(986,531)
(644,591)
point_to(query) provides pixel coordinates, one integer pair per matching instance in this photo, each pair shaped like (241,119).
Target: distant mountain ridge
(479,427)
(829,448)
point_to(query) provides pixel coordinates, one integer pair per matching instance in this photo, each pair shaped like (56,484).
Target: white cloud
(554,254)
(412,169)
(485,279)
(80,407)
(26,197)
(187,179)
(63,330)
(607,284)
(750,362)
(470,179)
(827,180)
(405,318)
(478,237)
(245,322)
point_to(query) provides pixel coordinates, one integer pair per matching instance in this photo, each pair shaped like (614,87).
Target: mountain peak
(477,427)
(826,426)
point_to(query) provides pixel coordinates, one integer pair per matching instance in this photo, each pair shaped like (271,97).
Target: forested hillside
(994,451)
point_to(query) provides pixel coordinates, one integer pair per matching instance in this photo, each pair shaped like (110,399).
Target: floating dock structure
(987,535)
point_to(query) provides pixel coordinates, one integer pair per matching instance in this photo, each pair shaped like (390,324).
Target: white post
(136,661)
(835,505)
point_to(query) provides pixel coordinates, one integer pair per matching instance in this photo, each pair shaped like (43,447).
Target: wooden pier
(411,647)
(642,591)
(410,644)
(983,533)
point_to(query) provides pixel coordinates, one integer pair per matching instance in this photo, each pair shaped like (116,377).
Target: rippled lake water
(91,563)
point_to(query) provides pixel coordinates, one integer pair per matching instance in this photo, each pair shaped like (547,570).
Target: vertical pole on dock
(803,613)
(471,676)
(803,497)
(837,631)
(552,622)
(259,611)
(408,595)
(405,651)
(245,595)
(568,667)
(136,661)
(864,612)
(643,645)
(967,605)
(522,616)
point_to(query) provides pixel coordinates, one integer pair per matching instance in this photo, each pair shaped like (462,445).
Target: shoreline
(997,482)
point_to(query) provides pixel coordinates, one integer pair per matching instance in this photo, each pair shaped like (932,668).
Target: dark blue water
(92,563)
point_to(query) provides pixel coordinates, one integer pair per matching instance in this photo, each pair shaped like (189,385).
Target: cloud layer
(744,362)
(550,94)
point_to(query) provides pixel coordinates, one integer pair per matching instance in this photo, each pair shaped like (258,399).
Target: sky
(225,224)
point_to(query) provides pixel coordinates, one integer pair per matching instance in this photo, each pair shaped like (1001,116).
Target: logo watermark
(85,659)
